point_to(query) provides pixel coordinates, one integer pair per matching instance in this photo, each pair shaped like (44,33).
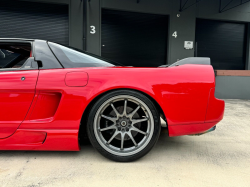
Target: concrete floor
(220,158)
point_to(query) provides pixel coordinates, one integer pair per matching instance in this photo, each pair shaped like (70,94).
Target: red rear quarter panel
(182,92)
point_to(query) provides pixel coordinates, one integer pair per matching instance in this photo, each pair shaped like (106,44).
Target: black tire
(154,124)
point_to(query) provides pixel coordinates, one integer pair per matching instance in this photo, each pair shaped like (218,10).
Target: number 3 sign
(92,29)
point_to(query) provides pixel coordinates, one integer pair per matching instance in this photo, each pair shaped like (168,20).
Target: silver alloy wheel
(123,126)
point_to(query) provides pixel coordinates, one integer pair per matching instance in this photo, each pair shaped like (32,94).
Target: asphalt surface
(220,158)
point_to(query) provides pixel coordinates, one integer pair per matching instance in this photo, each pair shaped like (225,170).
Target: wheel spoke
(114,135)
(115,110)
(132,138)
(109,118)
(108,128)
(134,121)
(138,130)
(122,140)
(133,113)
(125,108)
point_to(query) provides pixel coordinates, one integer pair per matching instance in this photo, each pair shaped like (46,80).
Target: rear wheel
(123,125)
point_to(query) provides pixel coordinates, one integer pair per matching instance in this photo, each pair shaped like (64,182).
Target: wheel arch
(83,125)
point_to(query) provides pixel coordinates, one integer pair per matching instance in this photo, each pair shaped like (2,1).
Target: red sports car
(50,95)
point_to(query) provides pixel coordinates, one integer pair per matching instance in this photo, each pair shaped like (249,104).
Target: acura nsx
(51,94)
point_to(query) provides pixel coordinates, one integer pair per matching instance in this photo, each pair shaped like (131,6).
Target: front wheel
(123,125)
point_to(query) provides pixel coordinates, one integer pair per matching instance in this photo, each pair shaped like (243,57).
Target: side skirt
(42,140)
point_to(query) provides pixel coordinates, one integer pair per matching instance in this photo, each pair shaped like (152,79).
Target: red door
(17,90)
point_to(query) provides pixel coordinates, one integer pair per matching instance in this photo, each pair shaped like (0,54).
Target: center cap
(123,123)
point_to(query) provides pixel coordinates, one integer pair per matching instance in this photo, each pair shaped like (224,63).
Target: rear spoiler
(190,60)
(193,60)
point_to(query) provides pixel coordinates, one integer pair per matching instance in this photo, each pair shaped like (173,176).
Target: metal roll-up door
(25,19)
(134,39)
(224,42)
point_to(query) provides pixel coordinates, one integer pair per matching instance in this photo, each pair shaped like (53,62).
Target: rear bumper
(215,108)
(214,114)
(190,129)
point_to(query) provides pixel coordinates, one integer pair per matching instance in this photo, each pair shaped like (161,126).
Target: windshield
(70,57)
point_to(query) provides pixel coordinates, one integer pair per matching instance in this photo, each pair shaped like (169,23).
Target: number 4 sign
(175,34)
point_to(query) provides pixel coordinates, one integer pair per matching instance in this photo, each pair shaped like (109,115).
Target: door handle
(23,78)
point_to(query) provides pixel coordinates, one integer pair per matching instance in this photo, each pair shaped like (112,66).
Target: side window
(14,55)
(74,58)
